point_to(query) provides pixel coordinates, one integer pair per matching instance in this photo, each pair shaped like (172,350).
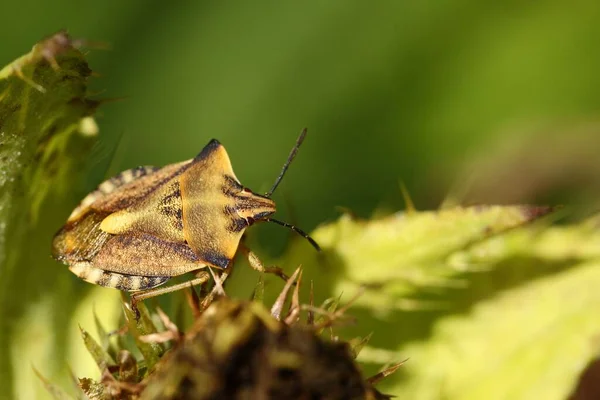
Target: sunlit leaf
(144,326)
(531,342)
(401,255)
(46,132)
(101,357)
(56,392)
(522,325)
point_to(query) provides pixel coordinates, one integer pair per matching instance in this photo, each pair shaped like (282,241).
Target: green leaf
(521,325)
(357,344)
(110,347)
(55,392)
(46,133)
(141,327)
(531,342)
(43,106)
(100,356)
(102,334)
(404,254)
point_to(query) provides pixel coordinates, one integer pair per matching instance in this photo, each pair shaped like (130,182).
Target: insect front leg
(201,277)
(256,264)
(208,299)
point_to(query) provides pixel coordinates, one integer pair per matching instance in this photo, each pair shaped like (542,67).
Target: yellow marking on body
(166,224)
(94,275)
(117,223)
(89,199)
(154,281)
(135,283)
(107,186)
(80,269)
(85,203)
(127,176)
(85,271)
(115,280)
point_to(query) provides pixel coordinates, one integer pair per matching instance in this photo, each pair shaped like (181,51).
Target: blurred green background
(489,102)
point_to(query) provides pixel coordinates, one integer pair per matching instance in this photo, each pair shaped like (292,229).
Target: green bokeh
(390,90)
(397,90)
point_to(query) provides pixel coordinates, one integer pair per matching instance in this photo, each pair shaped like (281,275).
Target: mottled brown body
(148,224)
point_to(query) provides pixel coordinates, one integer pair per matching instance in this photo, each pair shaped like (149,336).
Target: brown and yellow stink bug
(147,225)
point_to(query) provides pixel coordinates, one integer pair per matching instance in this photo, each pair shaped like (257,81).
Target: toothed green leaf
(46,134)
(104,337)
(357,344)
(140,327)
(521,324)
(100,330)
(401,255)
(530,342)
(55,391)
(43,110)
(101,357)
(79,393)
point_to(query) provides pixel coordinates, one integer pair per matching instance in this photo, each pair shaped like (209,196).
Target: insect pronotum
(146,225)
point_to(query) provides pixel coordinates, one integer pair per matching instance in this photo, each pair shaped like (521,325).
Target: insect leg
(208,299)
(256,264)
(201,277)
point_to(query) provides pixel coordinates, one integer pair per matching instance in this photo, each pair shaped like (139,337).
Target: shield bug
(146,225)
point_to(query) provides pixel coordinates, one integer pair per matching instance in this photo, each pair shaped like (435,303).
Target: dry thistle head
(241,350)
(237,350)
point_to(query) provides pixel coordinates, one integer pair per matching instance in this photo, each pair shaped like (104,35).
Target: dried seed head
(242,350)
(237,350)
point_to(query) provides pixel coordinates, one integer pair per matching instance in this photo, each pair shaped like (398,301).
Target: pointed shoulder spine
(213,145)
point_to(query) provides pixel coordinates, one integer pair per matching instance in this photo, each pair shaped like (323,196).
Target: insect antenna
(288,162)
(297,230)
(278,180)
